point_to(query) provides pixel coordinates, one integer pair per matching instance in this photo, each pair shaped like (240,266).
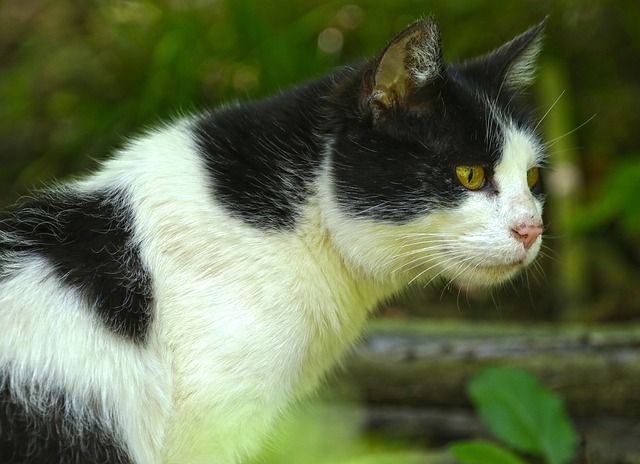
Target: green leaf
(481,452)
(520,411)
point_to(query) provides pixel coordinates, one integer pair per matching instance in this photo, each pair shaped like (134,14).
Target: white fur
(251,319)
(521,73)
(48,336)
(427,55)
(246,321)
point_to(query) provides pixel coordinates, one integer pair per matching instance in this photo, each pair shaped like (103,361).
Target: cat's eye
(472,177)
(532,176)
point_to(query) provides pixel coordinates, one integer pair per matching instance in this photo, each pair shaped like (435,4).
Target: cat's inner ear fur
(412,60)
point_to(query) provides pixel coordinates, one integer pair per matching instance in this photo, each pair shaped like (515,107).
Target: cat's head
(435,168)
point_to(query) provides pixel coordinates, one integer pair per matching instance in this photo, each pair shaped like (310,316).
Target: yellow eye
(532,176)
(472,177)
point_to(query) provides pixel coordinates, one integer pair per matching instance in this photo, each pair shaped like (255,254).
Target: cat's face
(436,173)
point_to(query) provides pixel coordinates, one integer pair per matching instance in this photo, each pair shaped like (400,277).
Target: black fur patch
(263,156)
(87,240)
(403,166)
(50,436)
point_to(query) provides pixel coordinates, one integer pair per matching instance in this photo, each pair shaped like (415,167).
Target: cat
(171,306)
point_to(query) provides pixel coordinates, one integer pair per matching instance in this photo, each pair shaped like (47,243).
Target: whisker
(537,268)
(446,269)
(495,297)
(512,284)
(416,262)
(421,241)
(553,237)
(549,253)
(469,265)
(422,260)
(560,151)
(453,257)
(421,253)
(451,281)
(549,110)
(553,141)
(423,236)
(424,271)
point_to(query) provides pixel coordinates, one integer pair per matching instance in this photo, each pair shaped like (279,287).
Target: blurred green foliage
(324,432)
(617,200)
(77,77)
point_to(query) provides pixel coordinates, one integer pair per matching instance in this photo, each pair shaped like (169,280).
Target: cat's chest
(281,306)
(246,342)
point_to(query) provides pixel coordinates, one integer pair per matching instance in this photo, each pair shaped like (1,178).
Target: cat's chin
(483,277)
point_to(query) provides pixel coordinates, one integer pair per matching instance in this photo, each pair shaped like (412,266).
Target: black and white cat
(169,307)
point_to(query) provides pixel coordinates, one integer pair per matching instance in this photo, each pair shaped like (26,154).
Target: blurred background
(78,77)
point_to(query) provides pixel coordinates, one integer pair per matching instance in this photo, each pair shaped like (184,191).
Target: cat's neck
(338,295)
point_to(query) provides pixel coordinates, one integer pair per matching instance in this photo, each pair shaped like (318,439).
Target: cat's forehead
(519,144)
(521,147)
(495,128)
(463,126)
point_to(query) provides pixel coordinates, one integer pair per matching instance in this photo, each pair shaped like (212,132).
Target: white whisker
(551,142)
(453,257)
(549,110)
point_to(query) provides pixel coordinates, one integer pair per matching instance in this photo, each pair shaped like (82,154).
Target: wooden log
(428,363)
(606,440)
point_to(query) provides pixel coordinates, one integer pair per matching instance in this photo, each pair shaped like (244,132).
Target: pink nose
(527,234)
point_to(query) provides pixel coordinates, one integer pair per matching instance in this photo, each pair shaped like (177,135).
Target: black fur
(399,168)
(48,435)
(87,240)
(263,156)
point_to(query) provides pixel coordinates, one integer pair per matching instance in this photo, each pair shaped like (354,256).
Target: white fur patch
(49,337)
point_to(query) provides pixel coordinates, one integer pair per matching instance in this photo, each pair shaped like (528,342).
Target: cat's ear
(513,65)
(410,61)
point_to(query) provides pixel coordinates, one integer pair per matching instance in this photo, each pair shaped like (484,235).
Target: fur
(169,307)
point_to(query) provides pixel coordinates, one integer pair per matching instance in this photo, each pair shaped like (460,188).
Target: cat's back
(78,312)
